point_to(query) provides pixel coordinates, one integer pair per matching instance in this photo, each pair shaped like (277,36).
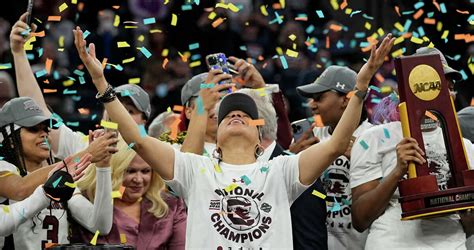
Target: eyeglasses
(38,128)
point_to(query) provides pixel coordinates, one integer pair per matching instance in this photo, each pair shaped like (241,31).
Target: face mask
(56,188)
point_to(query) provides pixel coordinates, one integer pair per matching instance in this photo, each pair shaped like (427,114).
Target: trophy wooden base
(420,197)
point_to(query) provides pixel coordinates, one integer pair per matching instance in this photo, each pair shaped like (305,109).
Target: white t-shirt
(51,224)
(376,159)
(256,213)
(70,142)
(335,179)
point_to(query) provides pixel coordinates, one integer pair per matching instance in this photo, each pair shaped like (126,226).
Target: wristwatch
(363,95)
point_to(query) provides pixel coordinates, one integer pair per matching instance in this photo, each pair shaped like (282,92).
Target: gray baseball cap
(22,111)
(341,79)
(466,122)
(139,97)
(192,87)
(434,51)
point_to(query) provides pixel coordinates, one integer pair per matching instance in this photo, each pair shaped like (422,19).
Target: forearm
(22,187)
(284,127)
(370,205)
(194,141)
(22,211)
(97,216)
(26,81)
(347,125)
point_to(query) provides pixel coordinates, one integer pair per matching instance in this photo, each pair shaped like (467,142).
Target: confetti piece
(431,116)
(419,5)
(263,9)
(128,60)
(445,34)
(72,124)
(343,5)
(416,40)
(135,80)
(6,209)
(123,45)
(429,21)
(258,122)
(367,25)
(62,7)
(195,64)
(263,169)
(397,53)
(71,185)
(54,18)
(318,194)
(108,124)
(165,62)
(217,168)
(123,238)
(116,20)
(207,86)
(145,52)
(284,63)
(49,91)
(318,121)
(200,105)
(465,12)
(336,206)
(245,179)
(291,53)
(150,20)
(56,182)
(28,45)
(234,8)
(142,130)
(418,14)
(231,187)
(94,239)
(130,146)
(364,144)
(386,133)
(39,34)
(178,108)
(69,92)
(217,22)
(40,73)
(193,46)
(174,129)
(5,66)
(174,19)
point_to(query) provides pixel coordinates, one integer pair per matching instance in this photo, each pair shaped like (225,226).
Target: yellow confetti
(397,53)
(195,64)
(134,80)
(107,124)
(68,83)
(6,209)
(282,3)
(279,51)
(123,45)
(431,45)
(85,138)
(292,37)
(263,10)
(471,67)
(445,34)
(165,52)
(128,60)
(116,20)
(174,19)
(123,238)
(399,40)
(399,26)
(233,8)
(380,32)
(416,40)
(291,53)
(222,5)
(319,194)
(71,185)
(61,41)
(348,11)
(231,187)
(74,1)
(368,26)
(212,15)
(141,38)
(334,4)
(94,239)
(28,45)
(439,26)
(217,168)
(155,31)
(62,7)
(116,194)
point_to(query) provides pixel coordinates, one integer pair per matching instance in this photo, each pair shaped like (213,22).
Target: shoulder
(6,166)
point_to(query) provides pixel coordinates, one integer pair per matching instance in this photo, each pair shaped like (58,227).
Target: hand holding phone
(30,12)
(303,136)
(299,127)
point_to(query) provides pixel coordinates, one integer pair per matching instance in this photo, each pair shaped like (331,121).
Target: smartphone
(219,61)
(30,11)
(300,127)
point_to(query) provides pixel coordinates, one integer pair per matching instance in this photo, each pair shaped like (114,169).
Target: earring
(217,153)
(259,150)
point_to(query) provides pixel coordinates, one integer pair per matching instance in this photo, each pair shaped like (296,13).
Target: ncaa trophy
(423,88)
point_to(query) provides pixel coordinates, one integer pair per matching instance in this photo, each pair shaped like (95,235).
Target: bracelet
(108,95)
(363,95)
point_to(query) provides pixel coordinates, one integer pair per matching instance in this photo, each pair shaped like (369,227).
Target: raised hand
(20,34)
(248,73)
(76,168)
(210,96)
(376,59)
(93,65)
(102,145)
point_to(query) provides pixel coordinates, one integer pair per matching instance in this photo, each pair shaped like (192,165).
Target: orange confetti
(276,6)
(343,5)
(165,62)
(407,35)
(50,244)
(54,18)
(47,91)
(116,7)
(397,9)
(80,7)
(46,81)
(379,77)
(328,44)
(472,102)
(301,18)
(431,115)
(418,14)
(436,4)
(84,111)
(178,108)
(218,22)
(350,94)
(318,121)
(48,64)
(104,62)
(465,12)
(39,34)
(174,129)
(335,27)
(429,21)
(258,122)
(122,189)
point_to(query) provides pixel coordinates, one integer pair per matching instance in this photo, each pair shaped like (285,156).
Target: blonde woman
(148,216)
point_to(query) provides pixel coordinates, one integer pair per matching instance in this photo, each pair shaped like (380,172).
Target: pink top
(168,232)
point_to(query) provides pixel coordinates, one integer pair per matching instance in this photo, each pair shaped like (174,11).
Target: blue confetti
(320,13)
(142,129)
(464,75)
(145,52)
(82,80)
(407,25)
(245,179)
(72,124)
(375,88)
(69,92)
(336,206)
(195,57)
(40,73)
(6,66)
(93,117)
(200,106)
(86,34)
(386,133)
(40,52)
(364,144)
(150,20)
(430,14)
(355,12)
(194,46)
(78,72)
(263,169)
(359,35)
(284,63)
(442,7)
(185,7)
(118,67)
(56,182)
(243,48)
(207,86)
(421,31)
(367,17)
(310,29)
(419,5)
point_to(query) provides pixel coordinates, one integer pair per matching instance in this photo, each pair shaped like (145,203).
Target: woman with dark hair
(26,150)
(235,200)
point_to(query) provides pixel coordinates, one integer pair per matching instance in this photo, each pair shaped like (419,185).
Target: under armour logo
(31,105)
(341,86)
(266,207)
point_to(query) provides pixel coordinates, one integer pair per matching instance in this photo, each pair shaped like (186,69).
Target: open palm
(93,65)
(377,57)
